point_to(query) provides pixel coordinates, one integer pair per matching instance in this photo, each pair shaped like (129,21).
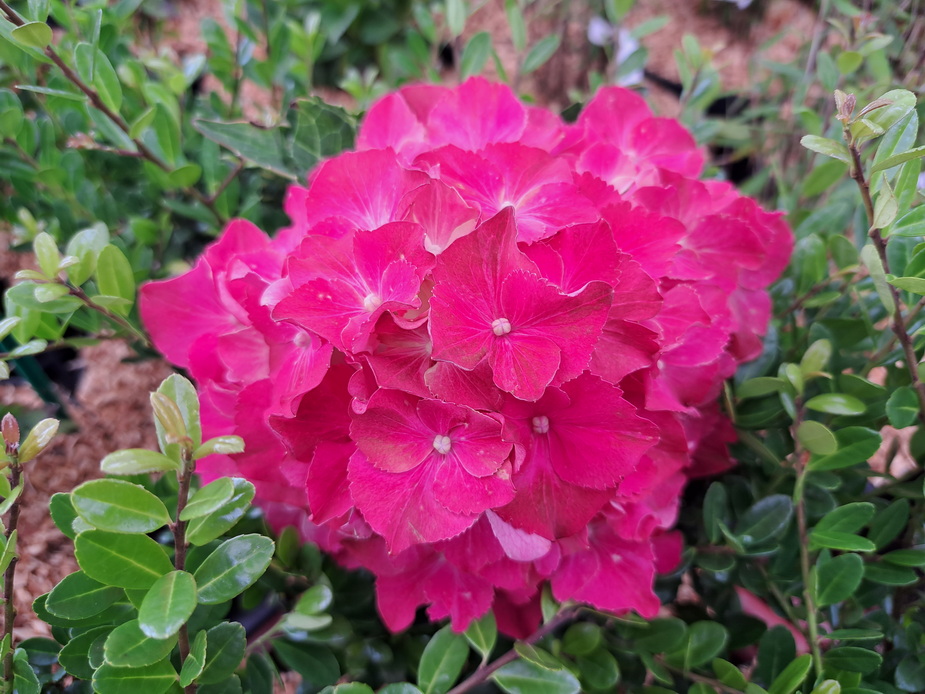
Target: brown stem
(9,607)
(694,677)
(898,321)
(179,542)
(119,121)
(484,672)
(106,313)
(239,167)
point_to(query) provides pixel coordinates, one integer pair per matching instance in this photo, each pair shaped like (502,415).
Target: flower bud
(38,439)
(10,429)
(169,417)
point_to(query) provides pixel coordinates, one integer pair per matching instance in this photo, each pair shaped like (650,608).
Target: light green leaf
(845,542)
(47,254)
(195,661)
(915,285)
(582,638)
(220,445)
(852,659)
(137,461)
(455,17)
(233,566)
(482,635)
(855,445)
(475,55)
(107,83)
(114,276)
(33,34)
(119,506)
(836,403)
(849,518)
(208,499)
(897,159)
(793,675)
(902,102)
(542,51)
(38,439)
(183,393)
(829,148)
(816,437)
(315,600)
(816,357)
(168,605)
(150,679)
(524,677)
(729,674)
(442,661)
(885,206)
(910,224)
(204,529)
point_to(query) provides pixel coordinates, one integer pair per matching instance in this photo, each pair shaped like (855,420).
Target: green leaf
(62,513)
(204,529)
(127,561)
(598,670)
(704,641)
(885,206)
(185,176)
(75,655)
(765,520)
(542,51)
(47,254)
(78,596)
(836,403)
(137,461)
(729,674)
(906,557)
(915,285)
(168,605)
(888,574)
(315,600)
(455,17)
(715,511)
(195,661)
(38,439)
(661,635)
(793,675)
(903,407)
(910,224)
(208,499)
(758,387)
(475,55)
(316,664)
(400,688)
(107,83)
(845,542)
(852,659)
(114,276)
(264,148)
(150,679)
(874,265)
(119,506)
(482,635)
(816,437)
(888,523)
(128,646)
(897,159)
(233,566)
(25,680)
(848,62)
(11,114)
(442,661)
(829,148)
(838,578)
(221,445)
(183,393)
(902,102)
(524,677)
(225,644)
(848,518)
(33,34)
(320,130)
(855,445)
(582,638)
(86,245)
(515,19)
(537,655)
(816,357)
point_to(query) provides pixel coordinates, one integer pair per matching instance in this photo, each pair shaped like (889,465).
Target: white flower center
(501,326)
(372,302)
(540,424)
(442,444)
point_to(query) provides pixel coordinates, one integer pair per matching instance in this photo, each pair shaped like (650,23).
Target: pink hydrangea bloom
(487,353)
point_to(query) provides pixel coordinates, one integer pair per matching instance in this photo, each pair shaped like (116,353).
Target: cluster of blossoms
(487,353)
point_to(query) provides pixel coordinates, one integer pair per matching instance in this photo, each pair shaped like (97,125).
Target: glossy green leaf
(902,408)
(400,688)
(541,52)
(524,677)
(204,529)
(537,655)
(582,638)
(25,681)
(885,206)
(897,159)
(78,596)
(183,393)
(86,245)
(221,445)
(889,574)
(128,646)
(233,566)
(107,82)
(845,542)
(816,437)
(315,600)
(33,34)
(838,578)
(729,674)
(836,403)
(910,224)
(62,513)
(849,518)
(261,147)
(874,265)
(442,661)
(225,645)
(482,635)
(816,357)
(793,676)
(829,148)
(114,276)
(758,387)
(195,661)
(127,561)
(150,679)
(703,642)
(855,445)
(208,498)
(137,461)
(889,523)
(906,557)
(320,130)
(764,521)
(39,438)
(119,506)
(902,102)
(47,254)
(75,654)
(168,605)
(852,659)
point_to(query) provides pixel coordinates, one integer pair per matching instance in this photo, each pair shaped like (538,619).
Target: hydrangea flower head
(486,355)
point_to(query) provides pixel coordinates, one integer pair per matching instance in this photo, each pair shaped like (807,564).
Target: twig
(106,313)
(228,179)
(9,576)
(898,322)
(179,542)
(486,671)
(143,149)
(693,676)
